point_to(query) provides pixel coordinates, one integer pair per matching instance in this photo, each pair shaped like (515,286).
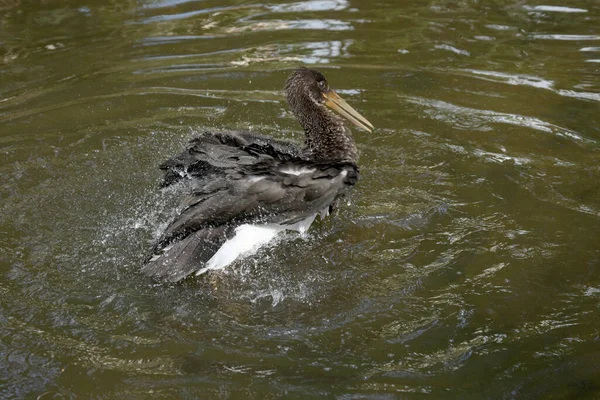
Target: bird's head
(306,87)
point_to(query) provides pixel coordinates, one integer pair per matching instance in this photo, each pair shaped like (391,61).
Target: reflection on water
(315,5)
(464,265)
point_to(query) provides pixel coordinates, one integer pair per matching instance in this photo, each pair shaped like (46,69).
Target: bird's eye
(322,84)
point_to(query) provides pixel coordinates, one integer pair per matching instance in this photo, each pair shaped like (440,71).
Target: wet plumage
(244,188)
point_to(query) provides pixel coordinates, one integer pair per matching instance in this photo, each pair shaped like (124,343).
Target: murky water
(467,264)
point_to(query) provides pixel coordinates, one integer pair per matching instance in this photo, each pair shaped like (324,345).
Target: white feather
(254,179)
(291,170)
(248,239)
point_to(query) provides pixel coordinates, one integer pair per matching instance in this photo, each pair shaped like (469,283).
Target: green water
(465,265)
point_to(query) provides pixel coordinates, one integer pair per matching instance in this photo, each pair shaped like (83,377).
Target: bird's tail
(186,256)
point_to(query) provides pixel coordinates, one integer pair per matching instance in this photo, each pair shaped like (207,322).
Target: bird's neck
(327,138)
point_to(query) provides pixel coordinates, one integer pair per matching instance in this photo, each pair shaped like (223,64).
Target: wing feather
(237,178)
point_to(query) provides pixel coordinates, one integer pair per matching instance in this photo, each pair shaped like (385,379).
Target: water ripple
(557,36)
(470,118)
(306,24)
(311,5)
(533,81)
(190,14)
(556,9)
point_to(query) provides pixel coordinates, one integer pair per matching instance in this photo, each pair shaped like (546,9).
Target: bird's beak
(335,102)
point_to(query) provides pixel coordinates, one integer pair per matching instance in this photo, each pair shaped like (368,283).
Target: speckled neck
(327,138)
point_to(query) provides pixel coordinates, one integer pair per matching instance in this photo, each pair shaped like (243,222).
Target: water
(466,264)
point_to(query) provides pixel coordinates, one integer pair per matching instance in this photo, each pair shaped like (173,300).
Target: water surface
(466,263)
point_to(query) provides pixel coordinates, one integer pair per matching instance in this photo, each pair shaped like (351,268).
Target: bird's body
(245,188)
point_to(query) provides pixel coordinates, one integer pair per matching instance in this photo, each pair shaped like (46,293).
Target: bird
(244,188)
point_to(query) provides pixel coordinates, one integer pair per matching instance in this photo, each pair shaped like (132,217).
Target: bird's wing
(259,194)
(246,180)
(214,153)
